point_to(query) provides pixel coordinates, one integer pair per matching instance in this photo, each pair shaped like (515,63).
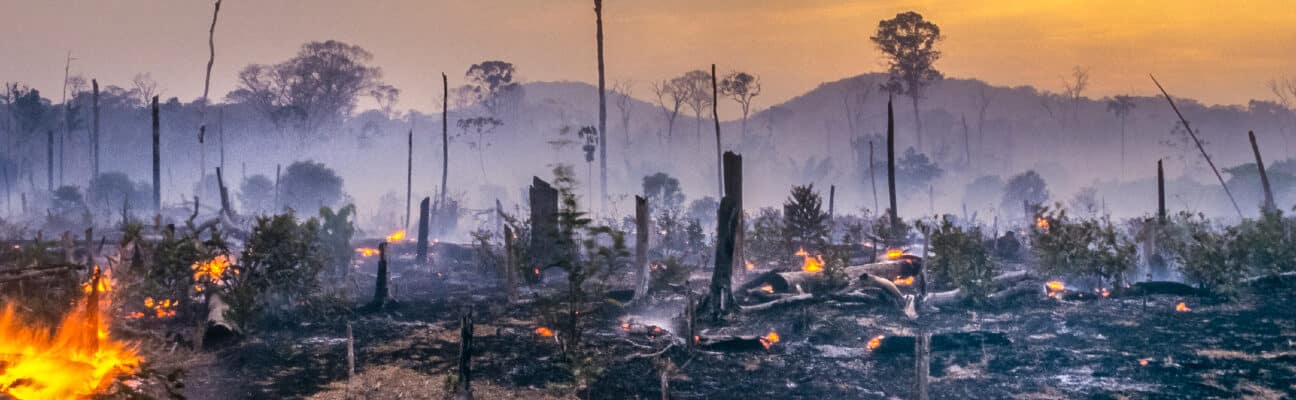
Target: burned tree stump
(544,223)
(922,364)
(464,390)
(642,274)
(421,256)
(510,263)
(719,299)
(381,295)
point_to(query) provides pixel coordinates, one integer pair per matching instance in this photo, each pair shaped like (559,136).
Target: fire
(903,281)
(1054,287)
(769,339)
(161,309)
(367,251)
(875,342)
(211,271)
(1143,362)
(1041,223)
(750,266)
(894,254)
(544,332)
(1102,292)
(1181,307)
(767,288)
(812,264)
(77,360)
(396,236)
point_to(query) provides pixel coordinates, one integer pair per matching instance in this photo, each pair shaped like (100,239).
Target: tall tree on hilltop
(696,88)
(316,88)
(909,43)
(491,84)
(670,96)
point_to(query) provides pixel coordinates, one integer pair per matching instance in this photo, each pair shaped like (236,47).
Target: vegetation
(1082,248)
(959,258)
(805,224)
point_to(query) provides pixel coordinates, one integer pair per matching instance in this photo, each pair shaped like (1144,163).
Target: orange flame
(396,236)
(894,254)
(1041,223)
(767,288)
(750,266)
(812,264)
(544,332)
(875,342)
(1181,307)
(367,251)
(211,271)
(1143,362)
(77,360)
(903,281)
(1054,287)
(769,339)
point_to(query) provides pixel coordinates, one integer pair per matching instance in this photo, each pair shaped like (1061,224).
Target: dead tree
(733,184)
(510,261)
(719,300)
(49,159)
(1161,204)
(642,274)
(602,128)
(1200,147)
(922,364)
(715,116)
(465,356)
(421,256)
(409,178)
(544,222)
(157,158)
(445,138)
(832,199)
(380,298)
(226,209)
(891,177)
(202,125)
(94,129)
(1264,177)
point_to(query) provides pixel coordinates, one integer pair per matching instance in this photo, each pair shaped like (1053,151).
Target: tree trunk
(832,200)
(445,138)
(409,177)
(918,131)
(49,160)
(891,177)
(922,364)
(275,207)
(715,116)
(643,275)
(1161,203)
(967,143)
(94,130)
(1264,177)
(598,14)
(510,263)
(544,223)
(465,356)
(157,158)
(421,256)
(226,209)
(380,285)
(719,301)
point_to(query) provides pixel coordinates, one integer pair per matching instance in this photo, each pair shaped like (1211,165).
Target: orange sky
(1217,51)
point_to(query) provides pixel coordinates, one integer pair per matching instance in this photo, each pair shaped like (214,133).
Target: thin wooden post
(1268,205)
(350,354)
(445,138)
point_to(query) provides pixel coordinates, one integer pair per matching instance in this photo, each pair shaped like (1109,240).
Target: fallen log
(1010,285)
(736,343)
(950,341)
(802,282)
(220,330)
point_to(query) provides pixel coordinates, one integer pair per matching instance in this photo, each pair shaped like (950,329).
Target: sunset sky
(1216,51)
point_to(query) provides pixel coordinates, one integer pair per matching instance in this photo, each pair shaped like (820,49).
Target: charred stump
(465,357)
(544,222)
(381,295)
(421,256)
(642,274)
(510,262)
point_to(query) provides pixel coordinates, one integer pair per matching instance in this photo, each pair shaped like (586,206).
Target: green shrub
(1268,243)
(1207,255)
(1085,247)
(960,259)
(280,265)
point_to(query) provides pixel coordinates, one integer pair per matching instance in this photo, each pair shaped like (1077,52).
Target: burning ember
(1102,292)
(1041,223)
(894,254)
(767,288)
(367,251)
(544,332)
(769,340)
(1143,362)
(875,342)
(750,266)
(77,360)
(812,264)
(1181,307)
(396,236)
(1054,287)
(903,281)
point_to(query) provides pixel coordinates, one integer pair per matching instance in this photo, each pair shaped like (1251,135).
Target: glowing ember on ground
(396,236)
(812,264)
(875,342)
(1143,362)
(750,266)
(543,331)
(1041,223)
(769,339)
(767,288)
(367,251)
(76,361)
(894,254)
(1181,307)
(1102,292)
(903,281)
(1054,287)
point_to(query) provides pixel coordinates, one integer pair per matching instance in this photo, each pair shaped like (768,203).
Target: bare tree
(387,96)
(146,87)
(742,88)
(622,91)
(696,85)
(670,97)
(1075,87)
(1122,106)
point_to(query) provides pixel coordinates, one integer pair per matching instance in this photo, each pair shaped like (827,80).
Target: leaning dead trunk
(1264,177)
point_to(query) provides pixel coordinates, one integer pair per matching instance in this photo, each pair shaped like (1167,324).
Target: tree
(386,96)
(491,85)
(318,87)
(622,92)
(914,171)
(696,88)
(1121,106)
(479,127)
(256,194)
(663,191)
(145,87)
(1075,88)
(742,88)
(909,43)
(308,185)
(670,96)
(1026,189)
(805,223)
